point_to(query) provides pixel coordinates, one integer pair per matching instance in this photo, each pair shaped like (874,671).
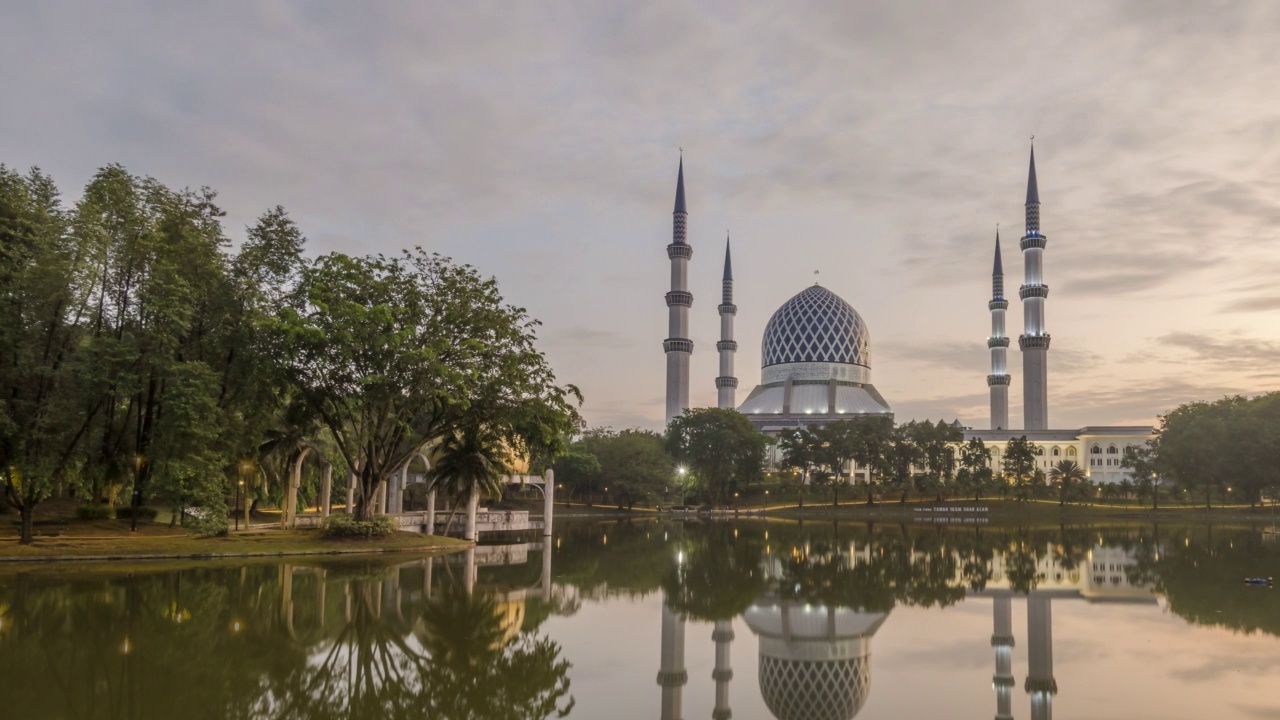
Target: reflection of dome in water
(814,660)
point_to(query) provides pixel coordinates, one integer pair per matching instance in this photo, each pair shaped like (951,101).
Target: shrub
(95,512)
(346,526)
(145,514)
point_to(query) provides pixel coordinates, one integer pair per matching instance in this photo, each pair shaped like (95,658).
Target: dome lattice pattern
(816,326)
(814,689)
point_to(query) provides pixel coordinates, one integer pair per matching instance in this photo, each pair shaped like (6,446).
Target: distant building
(816,359)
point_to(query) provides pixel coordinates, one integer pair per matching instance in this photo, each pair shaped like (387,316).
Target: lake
(666,620)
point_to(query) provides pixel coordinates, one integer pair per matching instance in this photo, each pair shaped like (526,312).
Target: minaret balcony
(1034,342)
(672,678)
(726,382)
(679,250)
(730,345)
(998,304)
(728,309)
(997,342)
(1033,239)
(679,298)
(1036,291)
(998,379)
(683,345)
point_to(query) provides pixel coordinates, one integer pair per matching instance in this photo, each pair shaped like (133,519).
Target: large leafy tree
(41,416)
(721,446)
(1020,464)
(395,353)
(1140,461)
(975,475)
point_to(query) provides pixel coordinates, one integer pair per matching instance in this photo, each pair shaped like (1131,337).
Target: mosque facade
(816,358)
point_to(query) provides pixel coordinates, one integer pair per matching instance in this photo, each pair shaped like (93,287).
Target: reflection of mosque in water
(815,660)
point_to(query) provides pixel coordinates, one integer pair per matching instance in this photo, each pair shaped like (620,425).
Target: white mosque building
(816,358)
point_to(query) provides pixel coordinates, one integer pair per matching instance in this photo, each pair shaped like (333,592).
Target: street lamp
(681,471)
(137,493)
(245,467)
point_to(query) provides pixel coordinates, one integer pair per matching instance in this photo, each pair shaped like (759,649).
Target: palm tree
(1067,474)
(467,463)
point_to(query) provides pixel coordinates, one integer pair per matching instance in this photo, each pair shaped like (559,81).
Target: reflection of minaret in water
(1002,641)
(672,675)
(1040,683)
(723,636)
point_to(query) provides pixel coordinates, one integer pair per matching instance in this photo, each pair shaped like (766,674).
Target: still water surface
(634,620)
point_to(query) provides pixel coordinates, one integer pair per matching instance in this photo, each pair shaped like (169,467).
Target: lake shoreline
(258,544)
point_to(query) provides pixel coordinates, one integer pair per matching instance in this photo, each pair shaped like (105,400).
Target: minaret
(998,380)
(727,384)
(723,636)
(1002,641)
(1035,339)
(678,346)
(671,673)
(1041,685)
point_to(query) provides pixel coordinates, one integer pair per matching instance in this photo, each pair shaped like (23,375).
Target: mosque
(816,358)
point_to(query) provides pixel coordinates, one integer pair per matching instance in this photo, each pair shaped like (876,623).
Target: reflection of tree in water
(256,642)
(716,575)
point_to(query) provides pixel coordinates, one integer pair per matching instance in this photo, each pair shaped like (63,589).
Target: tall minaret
(723,637)
(727,384)
(1035,339)
(1002,641)
(1040,685)
(678,346)
(998,380)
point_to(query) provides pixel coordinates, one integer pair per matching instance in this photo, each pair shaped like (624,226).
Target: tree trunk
(27,523)
(1155,498)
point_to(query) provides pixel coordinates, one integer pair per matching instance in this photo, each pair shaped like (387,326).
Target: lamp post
(681,471)
(241,507)
(239,485)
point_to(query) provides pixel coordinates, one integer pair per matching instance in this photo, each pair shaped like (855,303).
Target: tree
(468,463)
(1069,477)
(975,475)
(42,418)
(1020,464)
(721,446)
(902,453)
(800,449)
(394,353)
(1141,462)
(576,468)
(633,464)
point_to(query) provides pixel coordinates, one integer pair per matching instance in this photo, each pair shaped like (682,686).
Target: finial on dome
(815,277)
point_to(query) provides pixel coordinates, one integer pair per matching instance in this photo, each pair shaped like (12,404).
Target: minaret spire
(1034,340)
(998,343)
(726,383)
(722,635)
(678,346)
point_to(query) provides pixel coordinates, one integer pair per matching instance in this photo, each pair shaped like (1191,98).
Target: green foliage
(1071,479)
(143,513)
(975,475)
(632,464)
(395,353)
(721,447)
(1020,465)
(1206,448)
(349,526)
(95,512)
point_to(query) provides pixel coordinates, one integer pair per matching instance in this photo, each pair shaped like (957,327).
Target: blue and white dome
(816,326)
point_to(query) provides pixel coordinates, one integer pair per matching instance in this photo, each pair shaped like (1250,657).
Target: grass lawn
(111,539)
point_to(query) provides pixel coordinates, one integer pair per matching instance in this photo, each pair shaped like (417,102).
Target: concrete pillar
(671,673)
(404,483)
(1002,641)
(546,568)
(431,513)
(351,493)
(322,577)
(723,637)
(326,492)
(380,498)
(1040,685)
(427,566)
(473,502)
(548,500)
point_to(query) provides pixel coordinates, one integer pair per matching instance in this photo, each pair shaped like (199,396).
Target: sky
(879,143)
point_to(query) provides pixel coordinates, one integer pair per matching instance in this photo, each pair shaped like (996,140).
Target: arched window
(1111,450)
(1071,452)
(1096,450)
(1039,451)
(1056,452)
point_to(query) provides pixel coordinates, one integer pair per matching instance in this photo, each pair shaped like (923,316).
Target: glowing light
(236,626)
(125,647)
(679,557)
